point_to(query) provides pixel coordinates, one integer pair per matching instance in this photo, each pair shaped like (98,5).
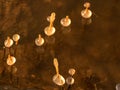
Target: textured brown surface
(95,46)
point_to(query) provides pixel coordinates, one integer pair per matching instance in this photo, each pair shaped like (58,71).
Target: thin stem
(95,86)
(56,66)
(4,52)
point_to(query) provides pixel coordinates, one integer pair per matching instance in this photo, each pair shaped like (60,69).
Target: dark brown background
(95,46)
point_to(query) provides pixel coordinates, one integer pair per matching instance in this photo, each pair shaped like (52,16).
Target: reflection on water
(65,29)
(86,21)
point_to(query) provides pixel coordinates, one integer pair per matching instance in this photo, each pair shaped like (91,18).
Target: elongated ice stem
(55,62)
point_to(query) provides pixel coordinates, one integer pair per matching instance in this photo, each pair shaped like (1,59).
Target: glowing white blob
(8,42)
(65,21)
(59,80)
(11,60)
(39,41)
(49,31)
(16,37)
